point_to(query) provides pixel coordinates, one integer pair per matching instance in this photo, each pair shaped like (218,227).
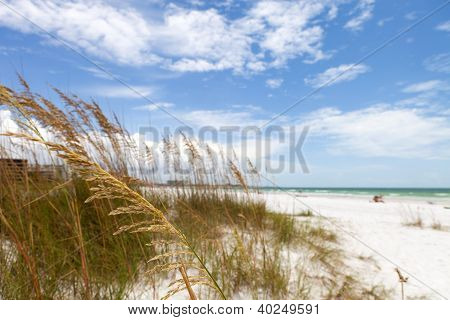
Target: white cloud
(445,26)
(203,41)
(285,29)
(345,72)
(426,86)
(206,40)
(333,12)
(117,34)
(383,131)
(268,34)
(7,124)
(364,11)
(274,83)
(438,63)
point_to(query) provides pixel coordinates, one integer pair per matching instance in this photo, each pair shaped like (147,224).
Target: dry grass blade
(186,281)
(182,287)
(237,174)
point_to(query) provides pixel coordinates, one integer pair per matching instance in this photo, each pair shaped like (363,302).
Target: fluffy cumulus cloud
(361,14)
(202,41)
(374,131)
(99,29)
(266,35)
(285,29)
(342,73)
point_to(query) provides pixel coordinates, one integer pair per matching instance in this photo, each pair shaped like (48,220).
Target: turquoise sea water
(388,192)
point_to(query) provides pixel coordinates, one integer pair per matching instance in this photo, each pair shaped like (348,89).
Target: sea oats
(103,184)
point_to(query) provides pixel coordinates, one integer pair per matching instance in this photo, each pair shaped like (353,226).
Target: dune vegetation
(104,225)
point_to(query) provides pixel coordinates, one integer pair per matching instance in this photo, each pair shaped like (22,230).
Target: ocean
(388,192)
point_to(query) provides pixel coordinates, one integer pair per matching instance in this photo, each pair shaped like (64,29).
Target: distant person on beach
(378,198)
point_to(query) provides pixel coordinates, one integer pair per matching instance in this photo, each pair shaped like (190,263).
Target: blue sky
(383,123)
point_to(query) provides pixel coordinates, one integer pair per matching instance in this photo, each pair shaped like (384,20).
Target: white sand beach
(422,252)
